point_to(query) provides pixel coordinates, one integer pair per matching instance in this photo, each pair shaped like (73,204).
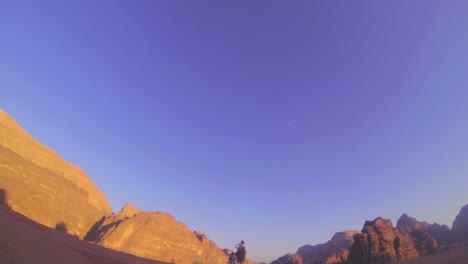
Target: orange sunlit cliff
(43,186)
(39,184)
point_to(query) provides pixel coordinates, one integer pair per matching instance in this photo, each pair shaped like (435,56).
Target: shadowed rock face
(460,226)
(441,233)
(340,241)
(424,242)
(380,242)
(155,236)
(288,259)
(43,186)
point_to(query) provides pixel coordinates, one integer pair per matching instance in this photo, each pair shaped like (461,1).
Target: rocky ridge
(380,242)
(321,252)
(155,235)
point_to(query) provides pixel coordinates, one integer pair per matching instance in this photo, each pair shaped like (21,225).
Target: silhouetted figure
(241,252)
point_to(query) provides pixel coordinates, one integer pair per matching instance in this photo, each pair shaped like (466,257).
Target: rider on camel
(241,252)
(240,245)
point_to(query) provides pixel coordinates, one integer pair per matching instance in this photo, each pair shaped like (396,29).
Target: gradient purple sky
(279,123)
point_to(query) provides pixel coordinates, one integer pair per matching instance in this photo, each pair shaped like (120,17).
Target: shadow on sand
(3,197)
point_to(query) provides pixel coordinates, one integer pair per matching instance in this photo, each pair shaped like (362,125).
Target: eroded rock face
(338,258)
(156,236)
(44,187)
(460,226)
(380,242)
(129,211)
(319,253)
(288,259)
(424,242)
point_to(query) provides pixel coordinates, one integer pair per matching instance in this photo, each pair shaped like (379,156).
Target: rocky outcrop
(43,186)
(380,242)
(155,236)
(338,258)
(460,226)
(424,242)
(211,250)
(288,259)
(129,211)
(321,252)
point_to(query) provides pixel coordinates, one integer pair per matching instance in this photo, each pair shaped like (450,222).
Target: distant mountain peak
(321,252)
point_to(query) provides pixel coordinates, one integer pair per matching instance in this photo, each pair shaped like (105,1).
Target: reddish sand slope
(456,256)
(23,241)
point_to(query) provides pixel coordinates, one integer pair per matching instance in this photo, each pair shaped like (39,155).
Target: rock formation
(43,186)
(155,236)
(338,258)
(460,226)
(424,242)
(319,253)
(380,242)
(288,259)
(129,211)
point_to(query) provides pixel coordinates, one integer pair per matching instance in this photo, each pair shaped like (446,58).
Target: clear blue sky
(278,123)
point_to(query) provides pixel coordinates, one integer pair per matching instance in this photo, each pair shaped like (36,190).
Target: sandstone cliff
(155,236)
(43,186)
(321,252)
(380,242)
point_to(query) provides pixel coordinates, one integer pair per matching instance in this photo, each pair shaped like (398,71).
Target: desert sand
(456,256)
